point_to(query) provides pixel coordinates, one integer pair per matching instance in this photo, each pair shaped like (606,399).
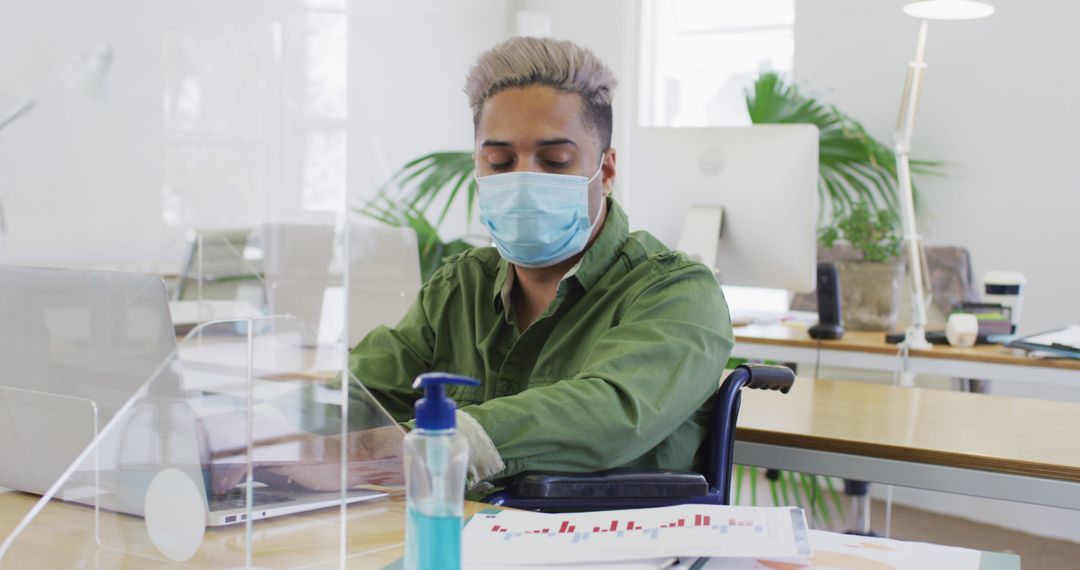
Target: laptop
(75,346)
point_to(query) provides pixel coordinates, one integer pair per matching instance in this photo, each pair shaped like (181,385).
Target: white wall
(999,105)
(81,181)
(407,69)
(74,167)
(608,28)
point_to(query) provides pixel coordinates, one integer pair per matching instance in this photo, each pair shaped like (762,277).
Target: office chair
(224,269)
(629,489)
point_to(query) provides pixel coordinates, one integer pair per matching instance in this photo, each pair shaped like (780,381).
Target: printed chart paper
(521,537)
(833,551)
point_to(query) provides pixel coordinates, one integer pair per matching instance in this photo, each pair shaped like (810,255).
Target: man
(595,347)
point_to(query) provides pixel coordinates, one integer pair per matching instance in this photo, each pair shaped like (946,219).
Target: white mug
(962,330)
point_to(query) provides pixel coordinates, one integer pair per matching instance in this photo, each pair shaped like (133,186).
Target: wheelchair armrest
(614,483)
(769,377)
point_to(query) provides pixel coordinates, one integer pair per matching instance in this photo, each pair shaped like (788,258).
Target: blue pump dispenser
(436,411)
(436,458)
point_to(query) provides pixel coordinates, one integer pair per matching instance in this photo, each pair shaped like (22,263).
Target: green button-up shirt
(617,371)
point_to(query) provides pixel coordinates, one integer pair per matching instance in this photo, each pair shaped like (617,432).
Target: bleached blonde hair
(563,65)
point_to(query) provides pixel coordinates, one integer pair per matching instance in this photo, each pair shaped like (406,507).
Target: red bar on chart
(596,529)
(681,521)
(495,528)
(706,520)
(571,529)
(630,525)
(731,522)
(546,530)
(562,528)
(697,520)
(614,525)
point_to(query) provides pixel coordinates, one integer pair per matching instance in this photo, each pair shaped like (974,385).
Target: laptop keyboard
(236,498)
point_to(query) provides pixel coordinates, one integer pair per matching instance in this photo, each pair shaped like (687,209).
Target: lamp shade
(948,9)
(89,72)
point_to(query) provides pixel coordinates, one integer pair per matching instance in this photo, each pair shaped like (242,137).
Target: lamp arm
(41,92)
(905,125)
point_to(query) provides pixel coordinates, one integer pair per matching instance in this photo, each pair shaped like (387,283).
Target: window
(699,57)
(255,117)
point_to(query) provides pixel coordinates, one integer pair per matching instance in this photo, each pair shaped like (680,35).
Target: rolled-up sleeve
(388,359)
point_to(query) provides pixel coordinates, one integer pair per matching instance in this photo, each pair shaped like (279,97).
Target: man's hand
(374,457)
(284,454)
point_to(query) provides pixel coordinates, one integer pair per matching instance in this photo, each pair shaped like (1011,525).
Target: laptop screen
(75,346)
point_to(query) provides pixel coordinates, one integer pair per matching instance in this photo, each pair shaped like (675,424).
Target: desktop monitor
(743,200)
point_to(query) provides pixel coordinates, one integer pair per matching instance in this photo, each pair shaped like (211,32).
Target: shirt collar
(588,270)
(602,253)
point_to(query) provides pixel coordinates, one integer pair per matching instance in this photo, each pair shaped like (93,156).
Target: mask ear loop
(603,203)
(599,169)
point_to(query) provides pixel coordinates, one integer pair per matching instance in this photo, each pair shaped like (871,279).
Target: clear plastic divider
(220,278)
(231,449)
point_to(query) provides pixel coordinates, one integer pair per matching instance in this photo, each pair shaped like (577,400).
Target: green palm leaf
(437,177)
(853,166)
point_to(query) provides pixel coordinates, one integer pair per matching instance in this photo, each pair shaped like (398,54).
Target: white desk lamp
(85,74)
(925,10)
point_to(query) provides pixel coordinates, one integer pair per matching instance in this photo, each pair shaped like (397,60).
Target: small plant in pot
(869,285)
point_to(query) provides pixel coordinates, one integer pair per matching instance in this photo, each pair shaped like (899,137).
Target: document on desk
(834,550)
(1054,344)
(517,538)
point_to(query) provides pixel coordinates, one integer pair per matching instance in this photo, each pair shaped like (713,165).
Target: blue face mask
(537,219)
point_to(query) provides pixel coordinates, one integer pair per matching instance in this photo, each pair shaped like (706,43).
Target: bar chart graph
(701,530)
(620,528)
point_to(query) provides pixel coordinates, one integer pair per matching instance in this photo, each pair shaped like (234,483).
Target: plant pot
(870,294)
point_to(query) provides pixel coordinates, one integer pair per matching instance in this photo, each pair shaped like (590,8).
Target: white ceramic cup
(962,330)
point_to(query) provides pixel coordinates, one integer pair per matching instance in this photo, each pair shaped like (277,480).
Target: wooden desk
(973,444)
(64,538)
(869,351)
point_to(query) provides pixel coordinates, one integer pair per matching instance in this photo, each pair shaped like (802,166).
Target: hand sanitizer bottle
(436,458)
